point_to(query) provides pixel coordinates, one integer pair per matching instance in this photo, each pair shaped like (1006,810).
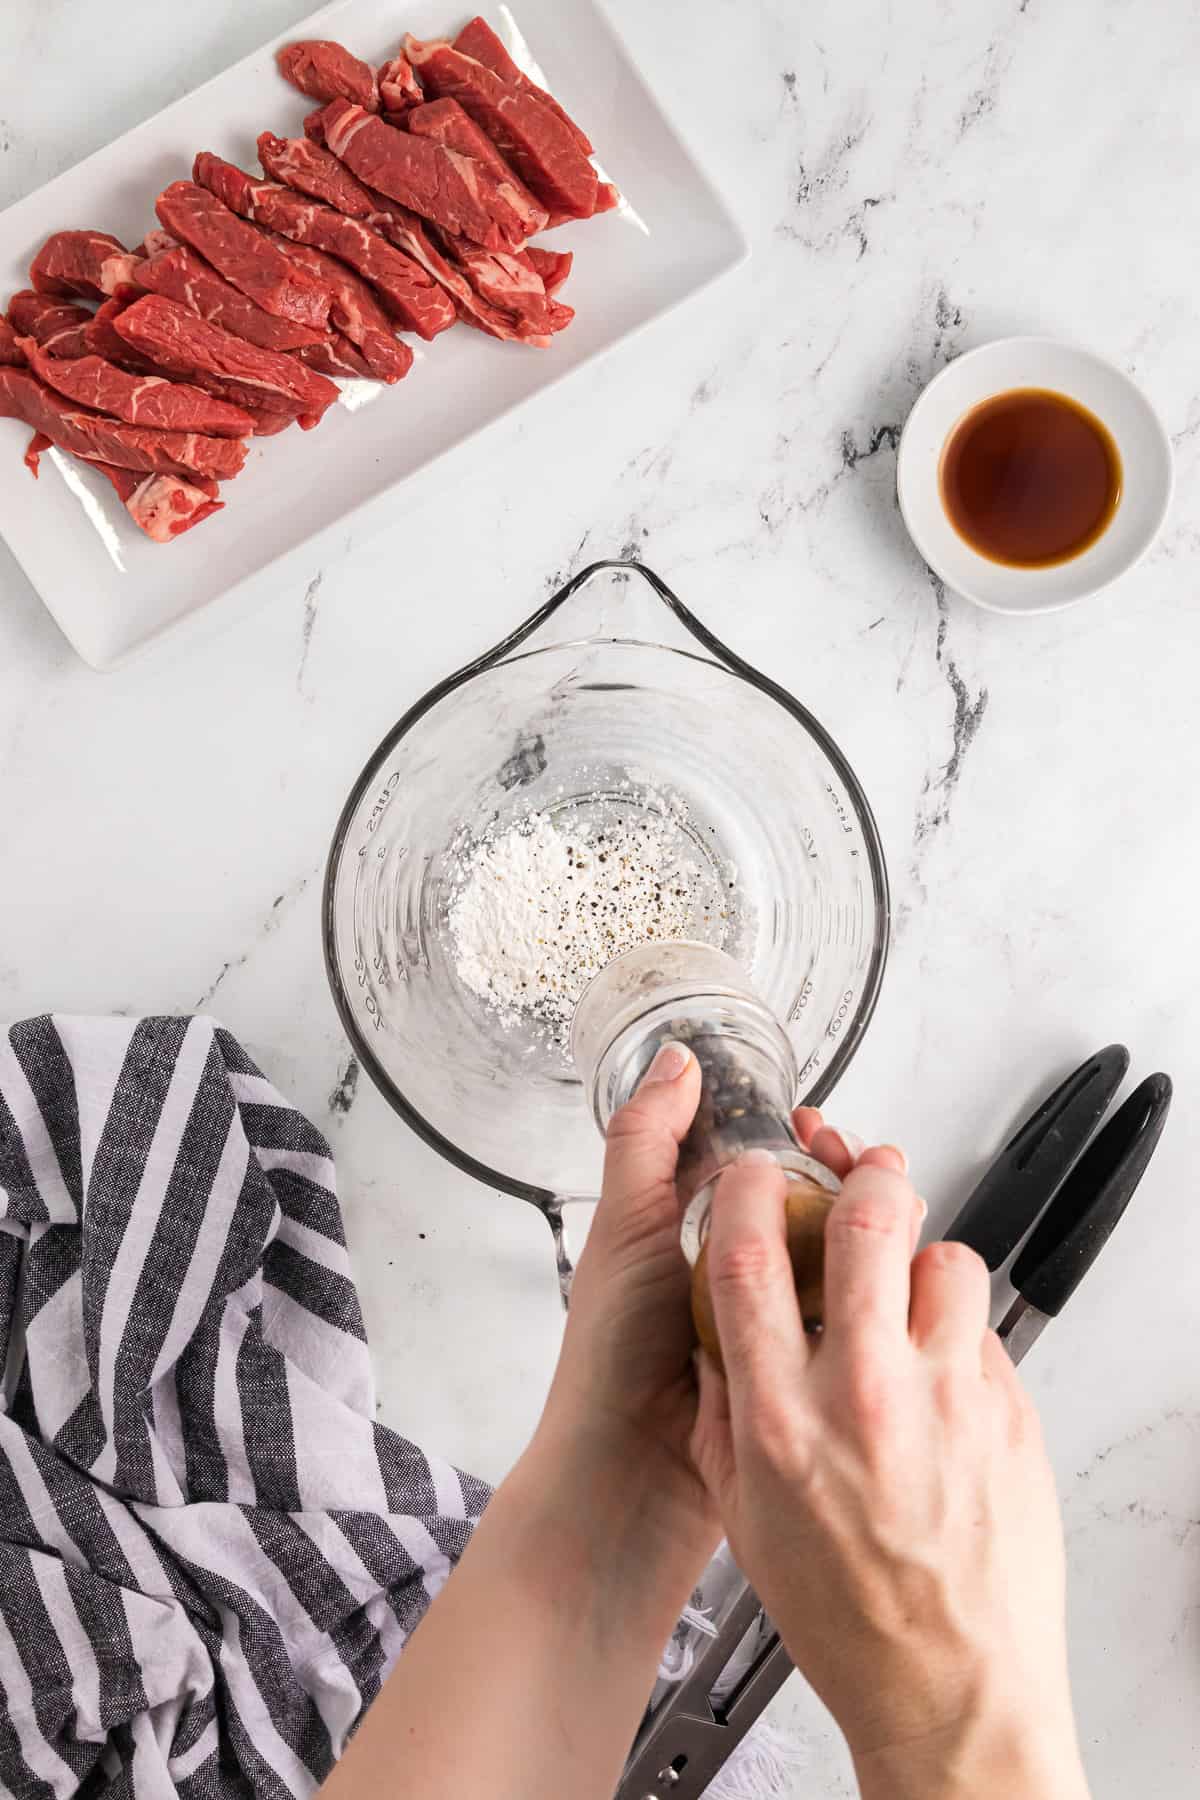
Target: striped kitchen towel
(210,1552)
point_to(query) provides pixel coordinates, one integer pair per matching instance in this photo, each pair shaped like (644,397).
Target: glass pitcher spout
(615,600)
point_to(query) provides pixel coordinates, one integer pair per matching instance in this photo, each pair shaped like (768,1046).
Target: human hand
(885,1488)
(624,1394)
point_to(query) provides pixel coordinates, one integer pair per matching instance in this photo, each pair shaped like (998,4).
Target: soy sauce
(1030,478)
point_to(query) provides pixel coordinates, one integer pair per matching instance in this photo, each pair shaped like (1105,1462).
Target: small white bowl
(1033,362)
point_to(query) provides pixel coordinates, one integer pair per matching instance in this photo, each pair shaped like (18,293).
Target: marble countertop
(915,180)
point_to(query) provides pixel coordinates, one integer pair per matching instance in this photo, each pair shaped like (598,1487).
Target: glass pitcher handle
(553,1211)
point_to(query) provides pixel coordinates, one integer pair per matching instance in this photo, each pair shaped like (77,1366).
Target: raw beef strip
(477,39)
(311,169)
(552,265)
(11,354)
(33,453)
(533,139)
(399,89)
(407,292)
(356,312)
(501,287)
(138,399)
(314,129)
(335,355)
(446,123)
(325,71)
(607,197)
(105,340)
(511,282)
(270,424)
(182,275)
(154,243)
(59,328)
(453,191)
(82,262)
(239,254)
(22,396)
(409,233)
(180,340)
(160,505)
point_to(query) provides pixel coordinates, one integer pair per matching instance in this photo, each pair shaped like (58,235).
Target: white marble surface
(915,180)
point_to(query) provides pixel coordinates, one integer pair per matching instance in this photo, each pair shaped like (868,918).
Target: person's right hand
(886,1492)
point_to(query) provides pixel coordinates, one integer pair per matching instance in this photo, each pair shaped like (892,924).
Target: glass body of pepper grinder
(693,994)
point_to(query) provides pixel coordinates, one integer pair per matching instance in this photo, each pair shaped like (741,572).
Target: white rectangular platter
(112,590)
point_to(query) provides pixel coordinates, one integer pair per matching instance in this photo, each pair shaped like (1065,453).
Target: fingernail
(758,1159)
(851,1142)
(924,1206)
(897,1151)
(669,1064)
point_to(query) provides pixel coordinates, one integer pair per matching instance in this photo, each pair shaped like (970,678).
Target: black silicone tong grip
(1074,1230)
(1012,1193)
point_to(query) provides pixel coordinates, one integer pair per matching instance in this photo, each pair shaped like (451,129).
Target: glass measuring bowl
(611,696)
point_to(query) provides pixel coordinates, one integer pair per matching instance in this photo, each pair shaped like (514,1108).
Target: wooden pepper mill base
(808,1207)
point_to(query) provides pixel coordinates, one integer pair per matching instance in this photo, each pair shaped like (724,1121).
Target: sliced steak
(407,292)
(59,328)
(155,242)
(82,262)
(326,71)
(510,282)
(552,265)
(183,275)
(240,254)
(11,354)
(33,453)
(336,356)
(408,233)
(180,340)
(105,340)
(162,506)
(608,198)
(310,169)
(23,396)
(356,312)
(533,139)
(477,39)
(453,191)
(399,89)
(271,424)
(138,399)
(446,123)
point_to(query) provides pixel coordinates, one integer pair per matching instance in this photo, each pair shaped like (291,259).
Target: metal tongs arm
(683,1746)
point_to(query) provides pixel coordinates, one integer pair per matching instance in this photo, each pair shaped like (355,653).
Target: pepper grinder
(696,995)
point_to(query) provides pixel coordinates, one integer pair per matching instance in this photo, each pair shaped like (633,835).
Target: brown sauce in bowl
(1030,478)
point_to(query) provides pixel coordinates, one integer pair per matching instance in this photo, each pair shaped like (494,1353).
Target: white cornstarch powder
(541,907)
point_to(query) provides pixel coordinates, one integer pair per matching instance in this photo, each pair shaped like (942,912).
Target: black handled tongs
(1079,1189)
(1068,1194)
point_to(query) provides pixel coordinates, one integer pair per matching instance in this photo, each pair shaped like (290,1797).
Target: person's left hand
(625,1393)
(622,1406)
